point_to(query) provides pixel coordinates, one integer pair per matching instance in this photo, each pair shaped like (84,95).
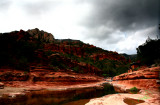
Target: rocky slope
(22,50)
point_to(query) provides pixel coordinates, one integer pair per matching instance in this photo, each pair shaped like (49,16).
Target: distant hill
(132,57)
(35,48)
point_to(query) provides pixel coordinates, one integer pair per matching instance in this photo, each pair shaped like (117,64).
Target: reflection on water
(79,102)
(67,97)
(131,101)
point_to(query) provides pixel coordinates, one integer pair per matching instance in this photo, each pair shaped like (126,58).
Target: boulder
(1,85)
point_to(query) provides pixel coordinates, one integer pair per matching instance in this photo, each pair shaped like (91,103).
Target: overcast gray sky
(116,25)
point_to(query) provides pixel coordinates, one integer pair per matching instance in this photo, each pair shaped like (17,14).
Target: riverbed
(72,96)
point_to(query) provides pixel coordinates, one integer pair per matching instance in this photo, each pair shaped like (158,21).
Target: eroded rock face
(148,73)
(42,35)
(44,74)
(144,78)
(10,76)
(139,83)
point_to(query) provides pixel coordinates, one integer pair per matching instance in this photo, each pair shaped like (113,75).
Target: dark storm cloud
(104,33)
(123,15)
(4,5)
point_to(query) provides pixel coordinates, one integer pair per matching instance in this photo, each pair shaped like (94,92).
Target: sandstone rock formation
(44,74)
(143,78)
(42,35)
(13,76)
(147,73)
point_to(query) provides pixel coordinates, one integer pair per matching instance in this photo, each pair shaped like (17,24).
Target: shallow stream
(67,97)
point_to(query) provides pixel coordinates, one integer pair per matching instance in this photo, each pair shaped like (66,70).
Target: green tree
(148,52)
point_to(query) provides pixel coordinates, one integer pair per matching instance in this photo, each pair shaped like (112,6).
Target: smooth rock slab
(118,99)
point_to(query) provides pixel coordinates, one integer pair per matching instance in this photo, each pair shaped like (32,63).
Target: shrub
(49,52)
(134,90)
(104,75)
(76,69)
(135,69)
(25,72)
(50,65)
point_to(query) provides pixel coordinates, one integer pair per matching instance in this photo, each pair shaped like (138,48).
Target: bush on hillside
(134,90)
